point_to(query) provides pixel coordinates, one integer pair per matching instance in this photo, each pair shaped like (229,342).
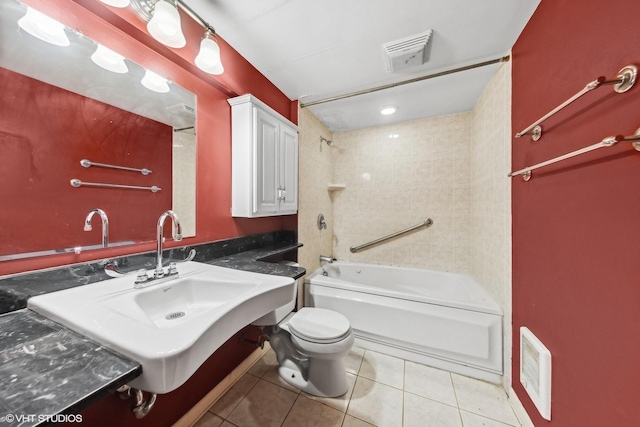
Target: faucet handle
(141,276)
(111,269)
(173,269)
(191,256)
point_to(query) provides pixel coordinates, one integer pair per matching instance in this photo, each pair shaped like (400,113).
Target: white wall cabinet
(264,167)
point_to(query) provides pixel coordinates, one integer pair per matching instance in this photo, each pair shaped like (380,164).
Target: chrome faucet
(177,236)
(328,259)
(143,279)
(105,224)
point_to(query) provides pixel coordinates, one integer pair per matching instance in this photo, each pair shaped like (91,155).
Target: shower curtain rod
(404,82)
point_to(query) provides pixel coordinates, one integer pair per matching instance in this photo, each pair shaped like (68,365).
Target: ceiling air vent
(407,52)
(182,110)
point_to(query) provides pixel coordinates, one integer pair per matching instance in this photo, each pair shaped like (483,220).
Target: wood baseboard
(200,408)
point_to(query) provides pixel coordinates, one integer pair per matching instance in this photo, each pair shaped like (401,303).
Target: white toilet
(310,345)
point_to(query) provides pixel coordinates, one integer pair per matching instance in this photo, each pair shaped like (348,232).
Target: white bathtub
(445,320)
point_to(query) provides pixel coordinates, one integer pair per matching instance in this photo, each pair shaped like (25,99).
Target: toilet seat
(319,325)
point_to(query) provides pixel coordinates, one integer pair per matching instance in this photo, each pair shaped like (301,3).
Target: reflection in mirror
(64,103)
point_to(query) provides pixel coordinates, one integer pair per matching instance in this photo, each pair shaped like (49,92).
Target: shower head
(323,139)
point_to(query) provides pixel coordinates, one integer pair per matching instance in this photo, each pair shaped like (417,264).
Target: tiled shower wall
(315,173)
(452,169)
(397,176)
(490,216)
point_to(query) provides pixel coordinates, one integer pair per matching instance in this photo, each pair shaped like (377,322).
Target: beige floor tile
(340,403)
(263,364)
(350,421)
(308,413)
(234,395)
(266,405)
(354,360)
(376,403)
(382,368)
(227,424)
(429,382)
(421,412)
(209,420)
(482,398)
(273,376)
(473,420)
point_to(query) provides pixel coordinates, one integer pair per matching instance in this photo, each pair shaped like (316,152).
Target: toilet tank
(274,317)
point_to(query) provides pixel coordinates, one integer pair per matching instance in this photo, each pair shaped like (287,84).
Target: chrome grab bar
(606,142)
(77,183)
(88,163)
(426,223)
(622,83)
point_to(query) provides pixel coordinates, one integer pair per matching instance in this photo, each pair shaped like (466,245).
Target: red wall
(576,279)
(112,411)
(123,31)
(44,133)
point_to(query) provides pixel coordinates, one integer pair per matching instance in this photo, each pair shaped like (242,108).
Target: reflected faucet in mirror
(105,224)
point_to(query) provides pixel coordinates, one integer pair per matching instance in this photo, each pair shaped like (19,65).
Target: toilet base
(326,378)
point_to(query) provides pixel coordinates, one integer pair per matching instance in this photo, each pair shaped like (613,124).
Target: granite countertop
(251,260)
(46,369)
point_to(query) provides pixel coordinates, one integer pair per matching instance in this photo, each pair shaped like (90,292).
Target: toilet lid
(319,325)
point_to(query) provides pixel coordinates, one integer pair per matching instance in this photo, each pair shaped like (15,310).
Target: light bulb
(41,26)
(109,60)
(165,27)
(208,58)
(154,82)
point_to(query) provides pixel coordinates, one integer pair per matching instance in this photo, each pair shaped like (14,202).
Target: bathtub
(445,320)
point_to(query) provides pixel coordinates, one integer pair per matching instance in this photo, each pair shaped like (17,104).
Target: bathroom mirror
(59,106)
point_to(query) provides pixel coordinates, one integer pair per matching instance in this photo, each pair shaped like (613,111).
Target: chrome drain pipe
(141,405)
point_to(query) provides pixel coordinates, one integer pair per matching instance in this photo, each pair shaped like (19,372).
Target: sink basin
(171,327)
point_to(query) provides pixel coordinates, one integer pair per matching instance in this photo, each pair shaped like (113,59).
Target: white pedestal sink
(172,327)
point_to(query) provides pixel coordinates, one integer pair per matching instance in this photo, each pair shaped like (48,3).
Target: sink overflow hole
(176,315)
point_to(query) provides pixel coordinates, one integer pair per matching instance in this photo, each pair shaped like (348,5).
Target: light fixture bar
(144,9)
(195,16)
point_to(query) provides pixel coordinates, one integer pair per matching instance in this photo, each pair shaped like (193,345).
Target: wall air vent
(407,52)
(535,371)
(182,110)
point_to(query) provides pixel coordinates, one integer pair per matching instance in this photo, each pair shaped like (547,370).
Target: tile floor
(383,391)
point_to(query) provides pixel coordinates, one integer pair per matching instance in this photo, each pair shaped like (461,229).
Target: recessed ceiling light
(388,110)
(394,135)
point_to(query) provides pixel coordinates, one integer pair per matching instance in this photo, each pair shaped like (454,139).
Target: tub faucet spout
(328,259)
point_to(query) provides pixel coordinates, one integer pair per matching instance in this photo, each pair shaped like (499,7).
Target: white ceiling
(313,50)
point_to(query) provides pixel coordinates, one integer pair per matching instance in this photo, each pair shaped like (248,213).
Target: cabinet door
(288,169)
(265,186)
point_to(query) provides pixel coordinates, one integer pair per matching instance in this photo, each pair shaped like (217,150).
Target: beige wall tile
(450,168)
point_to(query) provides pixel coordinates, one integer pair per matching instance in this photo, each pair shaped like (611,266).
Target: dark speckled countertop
(46,369)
